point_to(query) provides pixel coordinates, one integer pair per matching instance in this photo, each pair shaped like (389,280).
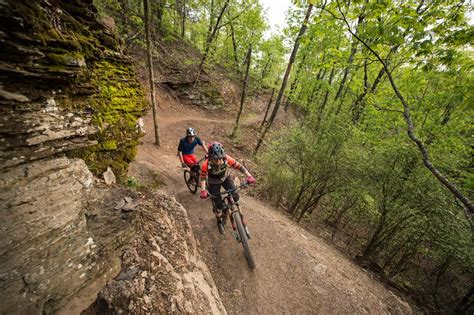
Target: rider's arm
(204,147)
(180,151)
(202,144)
(234,164)
(180,155)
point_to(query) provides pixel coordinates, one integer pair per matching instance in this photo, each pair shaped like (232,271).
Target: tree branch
(410,128)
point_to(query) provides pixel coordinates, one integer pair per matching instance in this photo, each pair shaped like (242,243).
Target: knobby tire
(190,182)
(244,239)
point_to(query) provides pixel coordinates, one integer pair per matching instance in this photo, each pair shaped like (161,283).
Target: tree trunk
(244,87)
(265,68)
(303,28)
(325,100)
(317,85)
(211,23)
(150,71)
(210,40)
(370,245)
(357,107)
(465,303)
(157,9)
(348,204)
(314,204)
(234,46)
(294,84)
(183,17)
(267,110)
(351,56)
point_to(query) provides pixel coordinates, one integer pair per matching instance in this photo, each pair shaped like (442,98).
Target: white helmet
(190,132)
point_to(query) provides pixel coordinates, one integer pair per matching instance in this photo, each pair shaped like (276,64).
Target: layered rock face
(49,251)
(69,103)
(162,272)
(65,89)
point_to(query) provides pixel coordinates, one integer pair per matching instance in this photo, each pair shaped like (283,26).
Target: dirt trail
(296,272)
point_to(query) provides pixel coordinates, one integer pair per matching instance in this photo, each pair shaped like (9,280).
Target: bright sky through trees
(276,11)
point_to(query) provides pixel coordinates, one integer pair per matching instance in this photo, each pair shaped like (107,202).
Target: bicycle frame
(239,228)
(232,205)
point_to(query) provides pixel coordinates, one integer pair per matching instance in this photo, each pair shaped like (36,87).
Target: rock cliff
(69,103)
(65,87)
(162,271)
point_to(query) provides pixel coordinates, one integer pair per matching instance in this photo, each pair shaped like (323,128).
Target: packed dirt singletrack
(296,272)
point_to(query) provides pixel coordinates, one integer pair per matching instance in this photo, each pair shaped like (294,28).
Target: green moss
(92,77)
(109,145)
(66,59)
(117,105)
(130,153)
(132,182)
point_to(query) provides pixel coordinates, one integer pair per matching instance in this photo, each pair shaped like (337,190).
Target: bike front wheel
(244,239)
(190,181)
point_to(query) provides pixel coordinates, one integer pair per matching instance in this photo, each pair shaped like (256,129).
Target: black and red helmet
(216,151)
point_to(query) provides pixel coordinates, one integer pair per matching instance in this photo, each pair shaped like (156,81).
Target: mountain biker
(186,148)
(216,170)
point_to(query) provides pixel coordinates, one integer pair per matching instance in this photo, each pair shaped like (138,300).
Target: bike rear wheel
(244,239)
(190,181)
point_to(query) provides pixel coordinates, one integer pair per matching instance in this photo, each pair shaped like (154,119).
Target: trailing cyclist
(186,148)
(216,170)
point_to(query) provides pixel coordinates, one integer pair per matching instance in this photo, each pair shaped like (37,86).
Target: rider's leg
(229,184)
(214,189)
(189,159)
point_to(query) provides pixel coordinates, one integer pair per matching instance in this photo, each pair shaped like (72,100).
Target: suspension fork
(234,207)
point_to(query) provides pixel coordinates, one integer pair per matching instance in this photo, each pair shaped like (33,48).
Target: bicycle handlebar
(229,191)
(203,158)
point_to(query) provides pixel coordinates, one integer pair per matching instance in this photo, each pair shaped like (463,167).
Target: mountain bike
(191,176)
(233,212)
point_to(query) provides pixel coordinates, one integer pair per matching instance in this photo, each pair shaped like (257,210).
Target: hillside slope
(296,272)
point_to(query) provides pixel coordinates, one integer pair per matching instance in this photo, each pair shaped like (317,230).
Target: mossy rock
(109,145)
(72,59)
(78,60)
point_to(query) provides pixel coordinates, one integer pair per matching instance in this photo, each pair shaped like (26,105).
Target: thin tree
(181,8)
(244,87)
(294,84)
(150,71)
(360,19)
(267,110)
(209,40)
(326,97)
(303,28)
(265,68)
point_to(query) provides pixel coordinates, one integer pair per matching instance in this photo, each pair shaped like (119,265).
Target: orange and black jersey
(218,173)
